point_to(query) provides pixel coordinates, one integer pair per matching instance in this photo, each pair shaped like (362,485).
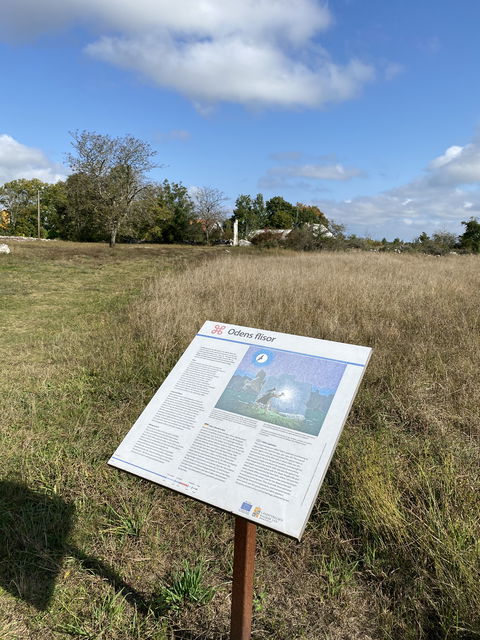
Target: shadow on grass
(34,530)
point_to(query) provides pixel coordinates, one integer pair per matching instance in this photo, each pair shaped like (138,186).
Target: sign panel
(248,421)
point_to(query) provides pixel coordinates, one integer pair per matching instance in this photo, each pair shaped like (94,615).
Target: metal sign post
(242,587)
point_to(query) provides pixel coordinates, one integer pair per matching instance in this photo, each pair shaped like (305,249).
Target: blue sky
(369,109)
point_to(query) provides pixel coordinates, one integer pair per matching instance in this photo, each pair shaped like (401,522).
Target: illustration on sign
(286,389)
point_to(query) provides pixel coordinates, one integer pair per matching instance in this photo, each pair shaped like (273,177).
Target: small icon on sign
(218,329)
(246,506)
(256,512)
(261,358)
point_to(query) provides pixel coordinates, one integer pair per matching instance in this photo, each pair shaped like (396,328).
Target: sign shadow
(34,532)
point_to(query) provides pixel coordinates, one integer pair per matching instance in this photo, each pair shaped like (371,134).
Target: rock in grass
(4,248)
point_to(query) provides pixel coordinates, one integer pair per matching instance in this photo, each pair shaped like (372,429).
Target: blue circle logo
(262,357)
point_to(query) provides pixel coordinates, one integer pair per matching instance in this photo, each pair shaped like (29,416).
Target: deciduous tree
(470,239)
(19,199)
(113,172)
(53,209)
(209,208)
(170,213)
(309,214)
(250,213)
(83,220)
(280,214)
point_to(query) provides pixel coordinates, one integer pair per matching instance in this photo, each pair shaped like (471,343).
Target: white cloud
(450,154)
(253,52)
(235,69)
(283,175)
(458,165)
(433,200)
(19,161)
(205,18)
(321,172)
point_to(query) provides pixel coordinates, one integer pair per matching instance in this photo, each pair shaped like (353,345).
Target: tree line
(108,197)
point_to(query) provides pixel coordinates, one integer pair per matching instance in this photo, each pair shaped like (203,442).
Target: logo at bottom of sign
(246,507)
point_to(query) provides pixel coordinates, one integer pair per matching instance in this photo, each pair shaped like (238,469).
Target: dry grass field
(392,548)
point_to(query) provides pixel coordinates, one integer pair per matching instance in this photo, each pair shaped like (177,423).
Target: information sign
(248,421)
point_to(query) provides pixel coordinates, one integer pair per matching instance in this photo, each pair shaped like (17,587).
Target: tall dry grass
(392,549)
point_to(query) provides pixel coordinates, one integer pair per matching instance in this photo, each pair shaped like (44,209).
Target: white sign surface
(248,421)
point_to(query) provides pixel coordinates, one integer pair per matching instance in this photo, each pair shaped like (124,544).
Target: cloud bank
(447,192)
(259,53)
(19,161)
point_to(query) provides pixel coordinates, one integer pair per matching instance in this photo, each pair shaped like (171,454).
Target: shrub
(267,239)
(304,239)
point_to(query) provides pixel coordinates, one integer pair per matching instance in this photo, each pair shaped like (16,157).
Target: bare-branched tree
(115,171)
(209,208)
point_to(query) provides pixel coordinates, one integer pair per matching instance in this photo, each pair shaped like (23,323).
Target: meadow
(392,548)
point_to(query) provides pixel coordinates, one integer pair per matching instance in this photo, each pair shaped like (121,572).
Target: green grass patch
(73,378)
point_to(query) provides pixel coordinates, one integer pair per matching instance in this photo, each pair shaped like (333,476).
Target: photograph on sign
(247,421)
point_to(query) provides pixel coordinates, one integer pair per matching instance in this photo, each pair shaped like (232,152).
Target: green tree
(250,213)
(247,217)
(470,239)
(243,212)
(53,205)
(113,172)
(280,214)
(423,238)
(19,199)
(309,214)
(83,219)
(259,209)
(175,214)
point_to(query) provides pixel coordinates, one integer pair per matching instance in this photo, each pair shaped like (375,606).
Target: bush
(268,240)
(301,239)
(304,239)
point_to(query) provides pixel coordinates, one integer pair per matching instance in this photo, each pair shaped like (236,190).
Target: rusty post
(242,587)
